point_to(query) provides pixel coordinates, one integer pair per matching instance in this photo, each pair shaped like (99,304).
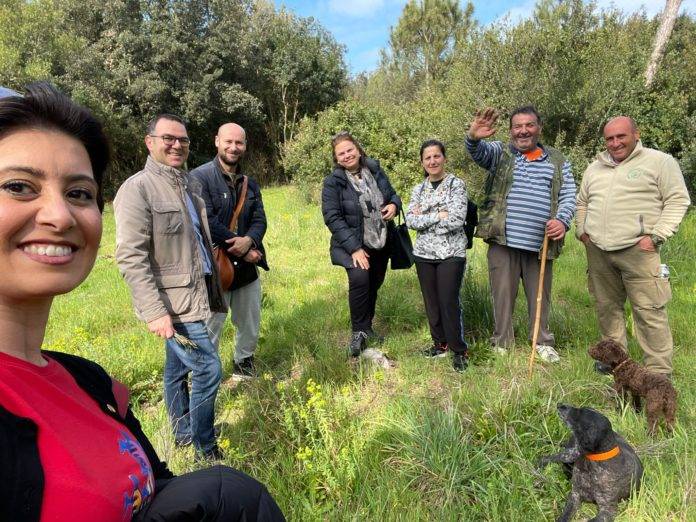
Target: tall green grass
(339,440)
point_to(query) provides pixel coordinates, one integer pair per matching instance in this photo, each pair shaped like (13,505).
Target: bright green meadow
(335,439)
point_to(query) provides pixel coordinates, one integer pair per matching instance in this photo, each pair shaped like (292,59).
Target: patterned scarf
(371,201)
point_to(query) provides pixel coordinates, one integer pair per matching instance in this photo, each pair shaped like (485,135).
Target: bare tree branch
(669,16)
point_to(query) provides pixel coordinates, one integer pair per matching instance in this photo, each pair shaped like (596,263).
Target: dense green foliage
(210,61)
(334,440)
(578,65)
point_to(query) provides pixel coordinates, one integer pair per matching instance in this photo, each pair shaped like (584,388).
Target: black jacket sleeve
(255,214)
(341,233)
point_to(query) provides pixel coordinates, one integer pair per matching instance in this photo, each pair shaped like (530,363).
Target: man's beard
(232,164)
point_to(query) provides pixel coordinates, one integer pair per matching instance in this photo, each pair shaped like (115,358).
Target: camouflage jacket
(493,210)
(438,238)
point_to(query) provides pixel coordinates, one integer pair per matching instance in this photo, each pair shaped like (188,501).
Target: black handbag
(401,248)
(470,223)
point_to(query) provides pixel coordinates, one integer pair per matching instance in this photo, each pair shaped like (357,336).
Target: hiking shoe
(436,350)
(358,342)
(602,368)
(373,337)
(245,368)
(547,353)
(460,362)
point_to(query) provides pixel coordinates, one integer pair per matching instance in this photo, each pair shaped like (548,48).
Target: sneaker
(358,342)
(547,353)
(436,350)
(460,362)
(373,337)
(245,368)
(602,368)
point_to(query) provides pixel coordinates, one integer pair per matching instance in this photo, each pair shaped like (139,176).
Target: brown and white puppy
(631,378)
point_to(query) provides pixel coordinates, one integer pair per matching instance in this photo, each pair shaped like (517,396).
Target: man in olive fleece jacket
(631,200)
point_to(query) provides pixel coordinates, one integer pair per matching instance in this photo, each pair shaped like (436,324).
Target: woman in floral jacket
(437,213)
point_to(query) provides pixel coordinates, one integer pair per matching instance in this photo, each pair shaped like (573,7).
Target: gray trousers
(245,304)
(505,268)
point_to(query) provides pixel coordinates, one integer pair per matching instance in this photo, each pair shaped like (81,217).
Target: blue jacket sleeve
(219,231)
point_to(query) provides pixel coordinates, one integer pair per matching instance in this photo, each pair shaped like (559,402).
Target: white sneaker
(547,353)
(499,350)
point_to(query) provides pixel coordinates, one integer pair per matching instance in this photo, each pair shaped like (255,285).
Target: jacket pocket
(167,218)
(172,280)
(650,294)
(175,292)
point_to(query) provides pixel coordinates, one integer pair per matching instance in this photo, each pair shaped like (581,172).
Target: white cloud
(356,8)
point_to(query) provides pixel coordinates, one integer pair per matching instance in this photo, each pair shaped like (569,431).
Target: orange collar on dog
(597,457)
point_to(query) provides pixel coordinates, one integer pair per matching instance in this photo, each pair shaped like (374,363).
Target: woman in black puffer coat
(359,204)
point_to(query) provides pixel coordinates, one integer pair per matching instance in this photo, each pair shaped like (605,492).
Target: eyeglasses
(171,140)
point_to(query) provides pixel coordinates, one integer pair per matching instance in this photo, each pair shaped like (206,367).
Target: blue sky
(363,25)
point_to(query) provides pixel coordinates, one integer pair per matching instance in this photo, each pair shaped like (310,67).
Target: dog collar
(597,457)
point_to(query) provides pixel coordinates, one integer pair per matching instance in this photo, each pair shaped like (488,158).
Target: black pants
(440,283)
(214,494)
(362,289)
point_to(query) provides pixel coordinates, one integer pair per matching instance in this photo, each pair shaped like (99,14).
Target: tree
(210,61)
(424,41)
(669,16)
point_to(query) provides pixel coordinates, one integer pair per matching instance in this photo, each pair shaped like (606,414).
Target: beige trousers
(634,274)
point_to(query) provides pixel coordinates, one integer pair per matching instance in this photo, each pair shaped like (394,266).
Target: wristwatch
(657,240)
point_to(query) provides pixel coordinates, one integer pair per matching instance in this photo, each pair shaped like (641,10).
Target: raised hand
(483,125)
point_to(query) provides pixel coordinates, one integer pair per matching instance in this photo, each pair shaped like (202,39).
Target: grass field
(334,440)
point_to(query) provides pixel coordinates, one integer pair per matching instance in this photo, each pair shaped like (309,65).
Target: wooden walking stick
(540,293)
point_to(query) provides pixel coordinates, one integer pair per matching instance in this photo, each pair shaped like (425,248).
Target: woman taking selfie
(70,447)
(437,212)
(358,203)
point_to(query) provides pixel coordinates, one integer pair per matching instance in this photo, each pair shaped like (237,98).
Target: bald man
(222,183)
(630,202)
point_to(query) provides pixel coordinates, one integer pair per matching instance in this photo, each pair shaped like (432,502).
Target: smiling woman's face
(50,225)
(347,155)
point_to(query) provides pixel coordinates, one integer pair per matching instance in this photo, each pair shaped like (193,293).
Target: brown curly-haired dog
(631,377)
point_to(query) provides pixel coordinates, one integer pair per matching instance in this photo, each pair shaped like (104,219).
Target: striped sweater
(529,199)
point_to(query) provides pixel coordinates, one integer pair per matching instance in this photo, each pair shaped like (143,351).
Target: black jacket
(220,202)
(21,472)
(342,214)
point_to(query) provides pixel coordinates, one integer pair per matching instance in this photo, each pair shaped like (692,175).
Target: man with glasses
(164,252)
(223,187)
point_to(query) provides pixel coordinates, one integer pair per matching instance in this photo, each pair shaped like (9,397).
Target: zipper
(642,227)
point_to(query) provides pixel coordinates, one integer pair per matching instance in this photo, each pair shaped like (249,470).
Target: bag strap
(240,203)
(400,214)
